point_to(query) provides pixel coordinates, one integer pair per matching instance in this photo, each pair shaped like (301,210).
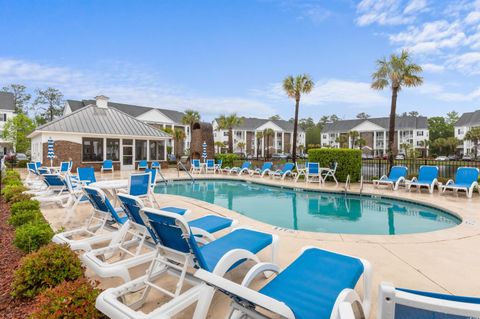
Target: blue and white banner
(50,151)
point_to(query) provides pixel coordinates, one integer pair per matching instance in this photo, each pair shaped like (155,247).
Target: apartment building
(467,121)
(7,111)
(246,132)
(374,132)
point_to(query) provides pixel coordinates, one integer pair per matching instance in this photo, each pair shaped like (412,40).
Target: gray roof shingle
(133,110)
(252,123)
(94,120)
(7,101)
(401,122)
(469,119)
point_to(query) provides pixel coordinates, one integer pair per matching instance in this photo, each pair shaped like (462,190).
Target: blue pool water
(315,211)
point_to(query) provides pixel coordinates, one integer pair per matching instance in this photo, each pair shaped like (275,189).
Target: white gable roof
(155,116)
(367,126)
(271,125)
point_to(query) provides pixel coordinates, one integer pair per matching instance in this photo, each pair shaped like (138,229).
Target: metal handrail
(163,177)
(361,185)
(347,183)
(186,171)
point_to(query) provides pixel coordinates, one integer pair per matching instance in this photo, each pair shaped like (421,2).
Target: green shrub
(25,216)
(45,268)
(11,172)
(31,236)
(11,180)
(20,198)
(24,205)
(349,161)
(70,299)
(227,159)
(22,163)
(9,191)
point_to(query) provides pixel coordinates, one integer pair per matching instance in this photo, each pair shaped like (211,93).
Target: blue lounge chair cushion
(311,284)
(466,176)
(211,223)
(250,240)
(175,210)
(459,185)
(397,172)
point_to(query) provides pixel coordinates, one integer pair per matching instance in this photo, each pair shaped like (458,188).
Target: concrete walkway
(445,261)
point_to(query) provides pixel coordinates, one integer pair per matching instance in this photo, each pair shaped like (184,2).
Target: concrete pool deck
(444,261)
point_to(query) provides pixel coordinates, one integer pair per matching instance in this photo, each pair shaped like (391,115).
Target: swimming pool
(315,211)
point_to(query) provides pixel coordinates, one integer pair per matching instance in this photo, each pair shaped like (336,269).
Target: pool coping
(468,224)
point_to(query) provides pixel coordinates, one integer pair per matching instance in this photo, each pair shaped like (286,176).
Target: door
(127,155)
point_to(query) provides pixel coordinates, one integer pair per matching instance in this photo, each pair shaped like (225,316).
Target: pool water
(315,211)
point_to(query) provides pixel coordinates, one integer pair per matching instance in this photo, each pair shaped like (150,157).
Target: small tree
(342,139)
(424,144)
(259,137)
(275,117)
(241,146)
(20,97)
(190,118)
(179,137)
(363,116)
(267,133)
(15,131)
(354,136)
(229,122)
(50,101)
(219,146)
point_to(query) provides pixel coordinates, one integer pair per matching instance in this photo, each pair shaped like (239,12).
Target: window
(113,149)
(419,133)
(157,150)
(225,133)
(140,150)
(3,117)
(92,149)
(460,131)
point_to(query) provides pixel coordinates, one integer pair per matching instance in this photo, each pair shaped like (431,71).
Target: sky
(226,56)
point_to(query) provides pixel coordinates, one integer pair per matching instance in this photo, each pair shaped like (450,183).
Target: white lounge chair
(240,170)
(195,167)
(466,179)
(427,177)
(397,176)
(398,303)
(177,250)
(264,170)
(312,286)
(286,170)
(116,260)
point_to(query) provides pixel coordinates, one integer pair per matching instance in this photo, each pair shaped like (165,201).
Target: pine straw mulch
(10,256)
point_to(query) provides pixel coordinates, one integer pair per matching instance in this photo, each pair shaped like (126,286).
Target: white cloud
(473,17)
(468,63)
(332,91)
(439,92)
(433,68)
(127,86)
(389,12)
(414,6)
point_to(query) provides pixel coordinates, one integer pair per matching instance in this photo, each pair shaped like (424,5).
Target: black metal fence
(375,168)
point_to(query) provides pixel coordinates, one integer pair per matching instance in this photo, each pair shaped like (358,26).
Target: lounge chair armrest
(231,258)
(345,311)
(241,292)
(450,181)
(258,269)
(414,180)
(383,177)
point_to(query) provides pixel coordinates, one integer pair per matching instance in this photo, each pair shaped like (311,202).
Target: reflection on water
(314,211)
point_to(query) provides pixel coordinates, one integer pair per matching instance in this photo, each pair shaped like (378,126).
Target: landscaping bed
(9,259)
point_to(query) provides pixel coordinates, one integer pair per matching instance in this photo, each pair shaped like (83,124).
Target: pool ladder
(348,186)
(186,171)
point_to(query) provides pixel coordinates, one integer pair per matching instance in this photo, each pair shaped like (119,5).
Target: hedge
(349,161)
(227,159)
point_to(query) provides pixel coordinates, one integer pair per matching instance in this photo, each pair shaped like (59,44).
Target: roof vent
(102,101)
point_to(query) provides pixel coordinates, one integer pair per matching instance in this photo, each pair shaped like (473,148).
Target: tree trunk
(391,131)
(258,147)
(266,147)
(230,140)
(295,128)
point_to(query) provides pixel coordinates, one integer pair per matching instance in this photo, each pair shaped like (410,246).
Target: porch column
(283,142)
(164,150)
(374,146)
(275,142)
(148,150)
(104,148)
(263,146)
(255,151)
(349,142)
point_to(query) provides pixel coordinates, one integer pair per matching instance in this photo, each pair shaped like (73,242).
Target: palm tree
(354,136)
(190,118)
(424,144)
(178,137)
(259,136)
(219,146)
(473,135)
(342,139)
(361,142)
(241,146)
(295,87)
(395,73)
(452,143)
(267,133)
(229,122)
